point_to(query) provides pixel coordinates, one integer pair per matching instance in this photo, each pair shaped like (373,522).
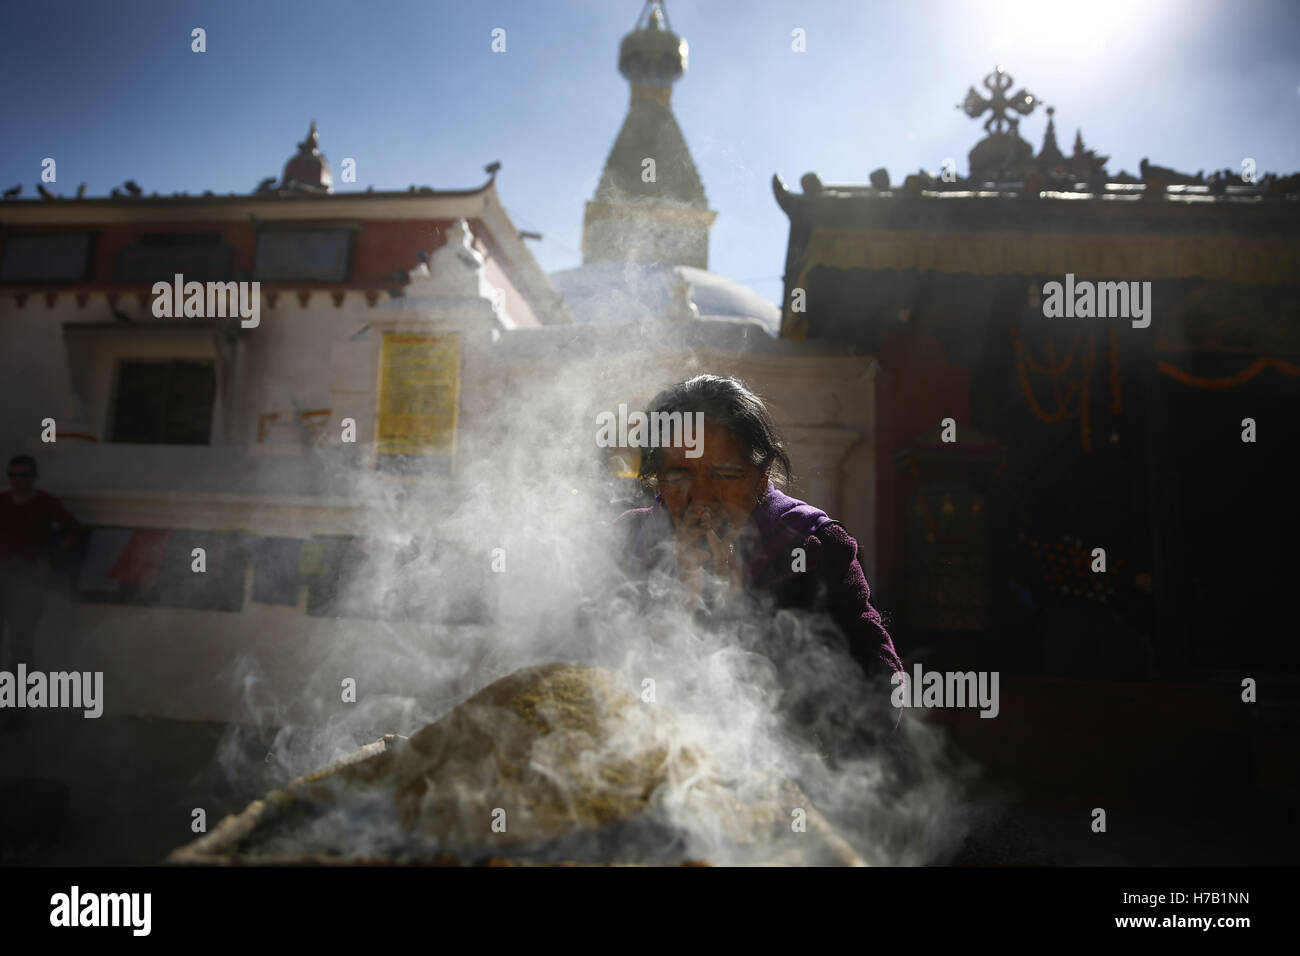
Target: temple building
(80,275)
(242,433)
(397,347)
(1081,494)
(381,354)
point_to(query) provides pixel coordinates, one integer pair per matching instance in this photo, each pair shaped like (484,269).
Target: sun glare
(1081,33)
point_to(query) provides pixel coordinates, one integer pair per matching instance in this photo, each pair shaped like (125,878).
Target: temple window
(164,402)
(47,257)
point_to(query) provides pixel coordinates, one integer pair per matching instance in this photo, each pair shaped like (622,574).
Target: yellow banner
(419,385)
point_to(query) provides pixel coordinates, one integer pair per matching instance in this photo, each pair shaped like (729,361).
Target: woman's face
(716,491)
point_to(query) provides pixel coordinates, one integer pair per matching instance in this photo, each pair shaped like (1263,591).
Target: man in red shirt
(26,519)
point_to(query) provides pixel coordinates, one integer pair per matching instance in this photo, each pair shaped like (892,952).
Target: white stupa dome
(609,293)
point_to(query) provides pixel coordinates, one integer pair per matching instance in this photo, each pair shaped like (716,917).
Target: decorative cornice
(1259,261)
(450,204)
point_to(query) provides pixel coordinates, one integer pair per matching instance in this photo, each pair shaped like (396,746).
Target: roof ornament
(307,171)
(997,83)
(652,56)
(1050,153)
(311,145)
(1002,155)
(455,269)
(460,242)
(654,16)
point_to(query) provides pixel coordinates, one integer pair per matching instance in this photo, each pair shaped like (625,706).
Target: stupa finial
(652,57)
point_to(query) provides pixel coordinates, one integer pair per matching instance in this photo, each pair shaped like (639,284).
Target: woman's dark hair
(729,403)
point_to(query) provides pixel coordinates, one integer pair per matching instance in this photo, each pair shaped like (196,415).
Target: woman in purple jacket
(720,525)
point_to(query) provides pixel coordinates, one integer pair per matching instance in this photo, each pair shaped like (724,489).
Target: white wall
(182,663)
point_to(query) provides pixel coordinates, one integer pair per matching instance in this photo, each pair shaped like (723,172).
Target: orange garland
(1026,363)
(1047,369)
(1063,402)
(1245,375)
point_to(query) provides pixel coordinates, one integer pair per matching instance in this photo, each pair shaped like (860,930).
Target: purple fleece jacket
(777,525)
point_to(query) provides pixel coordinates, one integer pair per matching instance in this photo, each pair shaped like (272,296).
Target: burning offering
(552,764)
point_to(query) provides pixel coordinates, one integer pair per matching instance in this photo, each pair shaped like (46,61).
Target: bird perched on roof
(266,184)
(81,191)
(132,187)
(44,193)
(492,167)
(12,193)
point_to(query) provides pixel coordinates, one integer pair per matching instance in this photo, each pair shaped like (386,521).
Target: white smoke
(531,481)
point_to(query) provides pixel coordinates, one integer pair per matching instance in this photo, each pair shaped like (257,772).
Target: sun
(1084,34)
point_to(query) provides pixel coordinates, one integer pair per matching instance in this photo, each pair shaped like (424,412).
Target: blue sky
(413,92)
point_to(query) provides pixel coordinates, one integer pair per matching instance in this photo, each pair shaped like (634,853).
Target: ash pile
(554,764)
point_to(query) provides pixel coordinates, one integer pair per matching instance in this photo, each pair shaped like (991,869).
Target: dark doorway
(1240,525)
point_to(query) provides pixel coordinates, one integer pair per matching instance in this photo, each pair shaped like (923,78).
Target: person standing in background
(27,516)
